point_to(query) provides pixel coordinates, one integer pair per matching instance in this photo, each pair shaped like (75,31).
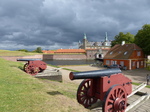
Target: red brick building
(64,54)
(64,51)
(74,54)
(129,55)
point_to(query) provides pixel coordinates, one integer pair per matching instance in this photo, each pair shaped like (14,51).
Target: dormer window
(125,53)
(111,52)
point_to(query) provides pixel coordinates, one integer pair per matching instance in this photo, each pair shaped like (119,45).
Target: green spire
(85,36)
(106,38)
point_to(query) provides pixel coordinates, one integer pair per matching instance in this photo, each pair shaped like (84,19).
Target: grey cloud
(54,24)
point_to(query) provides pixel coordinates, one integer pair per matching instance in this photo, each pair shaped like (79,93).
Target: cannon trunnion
(109,85)
(33,66)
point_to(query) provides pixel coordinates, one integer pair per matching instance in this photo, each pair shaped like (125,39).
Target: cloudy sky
(55,24)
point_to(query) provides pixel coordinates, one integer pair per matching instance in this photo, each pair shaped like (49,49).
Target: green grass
(70,70)
(15,53)
(53,66)
(134,83)
(20,92)
(17,88)
(148,86)
(137,84)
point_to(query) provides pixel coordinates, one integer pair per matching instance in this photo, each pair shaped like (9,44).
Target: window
(115,62)
(125,53)
(107,62)
(139,53)
(112,62)
(141,63)
(111,52)
(122,63)
(133,64)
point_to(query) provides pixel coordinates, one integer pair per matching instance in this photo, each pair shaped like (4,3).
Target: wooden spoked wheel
(83,96)
(25,66)
(115,100)
(32,70)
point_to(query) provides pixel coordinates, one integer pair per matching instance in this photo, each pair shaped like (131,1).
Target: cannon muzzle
(93,74)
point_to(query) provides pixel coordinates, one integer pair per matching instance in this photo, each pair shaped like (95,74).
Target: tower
(85,42)
(106,40)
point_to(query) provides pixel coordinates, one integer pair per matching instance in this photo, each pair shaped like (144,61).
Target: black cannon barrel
(93,74)
(29,59)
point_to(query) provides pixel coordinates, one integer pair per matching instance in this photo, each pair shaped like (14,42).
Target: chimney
(123,42)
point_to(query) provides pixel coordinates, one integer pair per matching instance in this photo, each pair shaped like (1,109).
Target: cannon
(33,66)
(110,86)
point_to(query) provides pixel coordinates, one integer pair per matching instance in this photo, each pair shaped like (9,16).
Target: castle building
(95,49)
(87,50)
(94,45)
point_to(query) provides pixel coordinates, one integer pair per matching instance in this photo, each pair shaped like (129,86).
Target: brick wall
(64,56)
(48,56)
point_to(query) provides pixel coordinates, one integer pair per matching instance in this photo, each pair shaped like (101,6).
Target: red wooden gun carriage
(33,66)
(109,86)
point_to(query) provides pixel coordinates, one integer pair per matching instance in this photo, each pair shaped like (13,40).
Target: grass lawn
(20,92)
(15,53)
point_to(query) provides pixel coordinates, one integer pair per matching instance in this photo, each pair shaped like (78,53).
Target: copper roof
(121,51)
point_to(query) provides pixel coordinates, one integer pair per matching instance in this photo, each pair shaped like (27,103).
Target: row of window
(108,62)
(138,63)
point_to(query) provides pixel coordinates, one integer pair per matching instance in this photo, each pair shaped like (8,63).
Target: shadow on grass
(21,68)
(54,93)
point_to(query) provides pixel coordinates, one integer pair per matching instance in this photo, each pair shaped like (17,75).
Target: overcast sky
(55,24)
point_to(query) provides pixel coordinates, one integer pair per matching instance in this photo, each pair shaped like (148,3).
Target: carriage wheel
(83,96)
(25,66)
(115,100)
(32,70)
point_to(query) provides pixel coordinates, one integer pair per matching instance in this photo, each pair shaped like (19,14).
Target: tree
(128,38)
(24,50)
(142,38)
(38,50)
